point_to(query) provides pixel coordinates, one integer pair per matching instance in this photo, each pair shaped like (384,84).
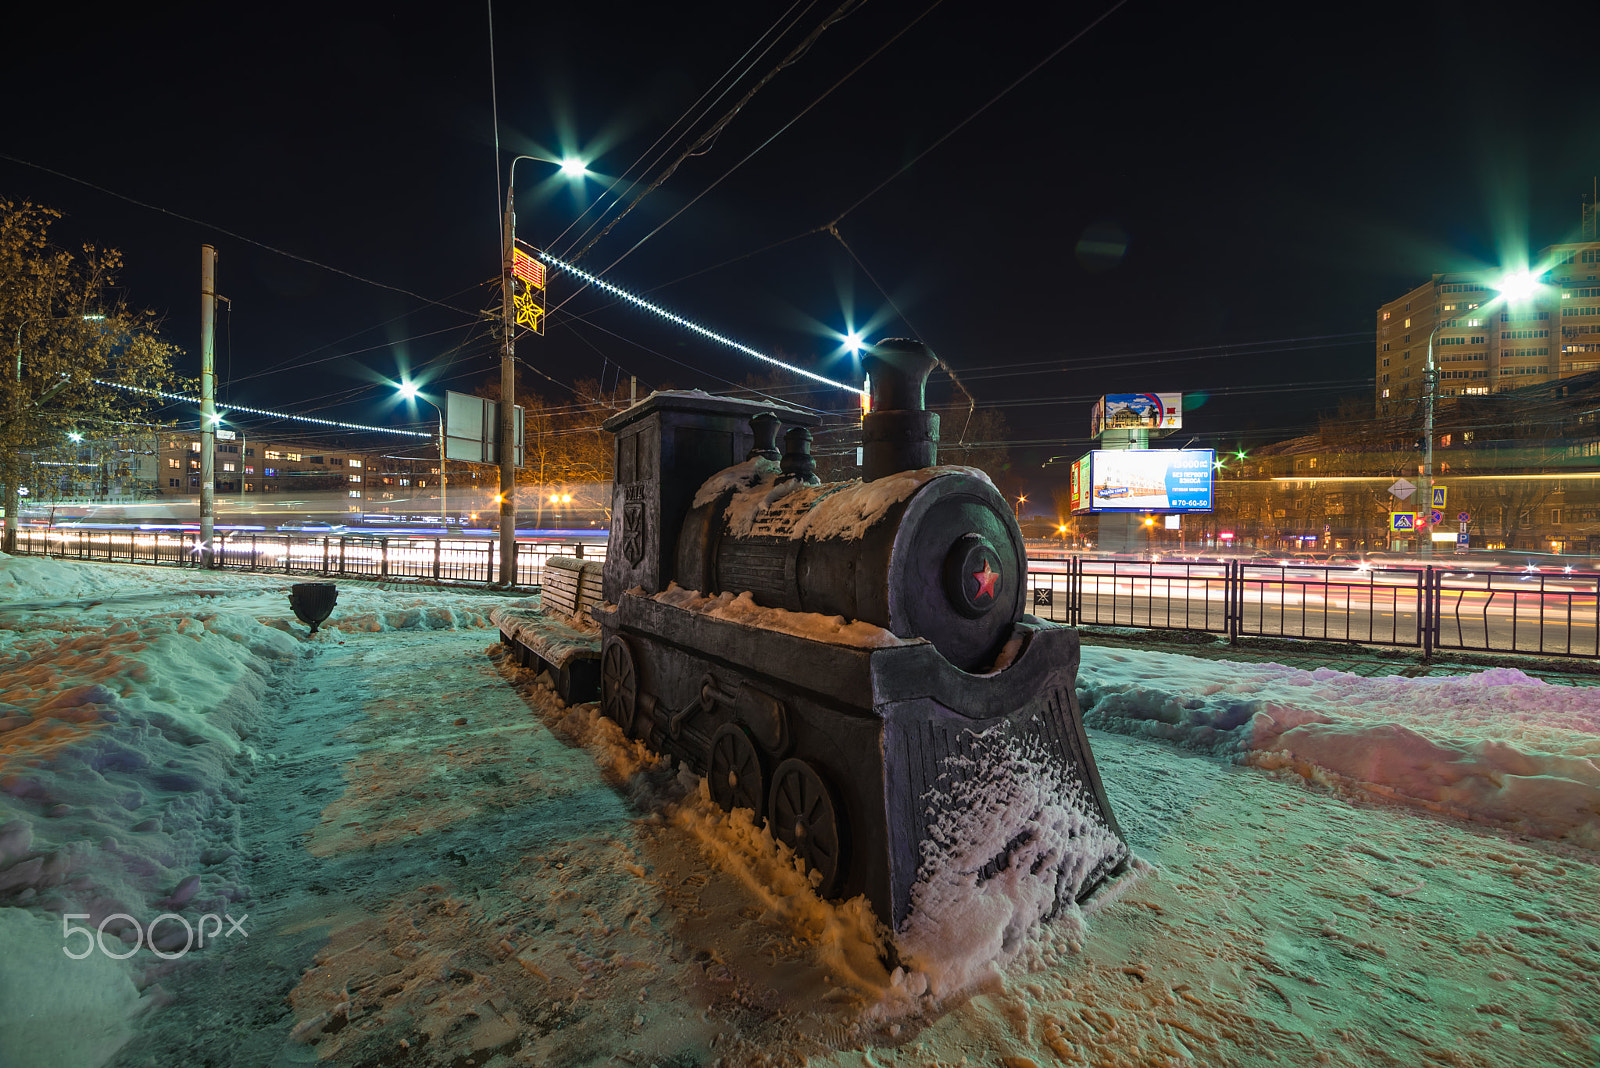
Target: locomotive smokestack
(899,433)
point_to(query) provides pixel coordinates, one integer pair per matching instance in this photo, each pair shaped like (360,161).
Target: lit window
(355,478)
(355,463)
(1385,393)
(249,470)
(194,465)
(355,493)
(1385,316)
(1408,322)
(194,446)
(272,454)
(292,456)
(227,467)
(405,482)
(270,471)
(172,462)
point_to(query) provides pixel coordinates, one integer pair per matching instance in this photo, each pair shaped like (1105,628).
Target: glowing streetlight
(74,437)
(574,169)
(409,391)
(1518,286)
(854,342)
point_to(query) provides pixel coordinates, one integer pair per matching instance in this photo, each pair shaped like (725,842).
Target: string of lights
(264,412)
(640,302)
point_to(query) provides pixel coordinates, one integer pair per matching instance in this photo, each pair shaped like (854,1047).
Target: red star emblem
(988,578)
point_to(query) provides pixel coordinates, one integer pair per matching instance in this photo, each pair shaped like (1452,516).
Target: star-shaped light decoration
(988,579)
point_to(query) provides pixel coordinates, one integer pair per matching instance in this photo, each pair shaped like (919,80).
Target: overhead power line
(238,236)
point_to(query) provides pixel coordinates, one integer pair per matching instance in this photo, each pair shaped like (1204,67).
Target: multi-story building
(1485,341)
(1522,465)
(247,465)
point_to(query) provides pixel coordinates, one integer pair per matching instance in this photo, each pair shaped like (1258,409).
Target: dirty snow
(1496,746)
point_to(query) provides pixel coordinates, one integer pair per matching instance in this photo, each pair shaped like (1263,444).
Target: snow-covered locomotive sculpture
(822,651)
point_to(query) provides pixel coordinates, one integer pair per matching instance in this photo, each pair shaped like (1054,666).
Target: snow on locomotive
(839,657)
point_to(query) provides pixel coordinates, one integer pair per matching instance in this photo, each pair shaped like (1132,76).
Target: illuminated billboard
(1136,411)
(1079,485)
(1143,480)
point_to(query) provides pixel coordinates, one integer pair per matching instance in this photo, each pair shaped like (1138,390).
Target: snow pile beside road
(123,743)
(26,579)
(1496,746)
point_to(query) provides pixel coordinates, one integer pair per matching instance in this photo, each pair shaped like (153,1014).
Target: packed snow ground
(1496,746)
(442,865)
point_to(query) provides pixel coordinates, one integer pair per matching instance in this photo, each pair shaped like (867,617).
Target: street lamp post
(507,437)
(13,473)
(408,390)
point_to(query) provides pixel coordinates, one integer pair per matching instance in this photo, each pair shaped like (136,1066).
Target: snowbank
(832,630)
(1496,746)
(123,743)
(30,579)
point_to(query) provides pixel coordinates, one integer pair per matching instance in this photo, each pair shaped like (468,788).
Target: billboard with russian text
(1145,480)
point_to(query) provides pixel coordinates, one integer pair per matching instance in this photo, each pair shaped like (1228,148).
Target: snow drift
(1497,746)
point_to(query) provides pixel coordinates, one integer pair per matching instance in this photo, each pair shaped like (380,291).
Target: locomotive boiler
(826,654)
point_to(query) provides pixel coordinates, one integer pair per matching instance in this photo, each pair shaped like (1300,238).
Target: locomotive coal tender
(838,657)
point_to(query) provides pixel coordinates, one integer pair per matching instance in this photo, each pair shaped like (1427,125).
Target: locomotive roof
(695,400)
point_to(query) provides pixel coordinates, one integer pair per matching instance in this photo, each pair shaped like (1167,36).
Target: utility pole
(508,399)
(208,405)
(1430,386)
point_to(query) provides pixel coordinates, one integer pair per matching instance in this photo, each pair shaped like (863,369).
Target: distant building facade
(1484,346)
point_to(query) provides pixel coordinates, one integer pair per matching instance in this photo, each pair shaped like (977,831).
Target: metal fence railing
(1430,608)
(347,555)
(1517,611)
(1427,608)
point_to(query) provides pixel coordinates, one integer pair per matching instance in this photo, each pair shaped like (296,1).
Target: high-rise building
(1485,341)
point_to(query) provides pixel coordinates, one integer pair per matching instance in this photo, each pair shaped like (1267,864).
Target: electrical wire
(775,135)
(680,121)
(238,236)
(716,128)
(990,103)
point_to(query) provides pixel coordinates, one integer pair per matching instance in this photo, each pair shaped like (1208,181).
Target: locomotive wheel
(803,815)
(619,684)
(733,771)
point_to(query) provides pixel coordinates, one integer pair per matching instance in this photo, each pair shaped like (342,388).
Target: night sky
(1274,174)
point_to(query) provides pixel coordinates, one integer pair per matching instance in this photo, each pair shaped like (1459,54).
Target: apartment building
(1489,340)
(246,465)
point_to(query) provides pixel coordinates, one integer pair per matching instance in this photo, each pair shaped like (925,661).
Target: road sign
(1461,543)
(1403,489)
(472,429)
(1436,517)
(1465,517)
(1463,530)
(1439,495)
(1403,522)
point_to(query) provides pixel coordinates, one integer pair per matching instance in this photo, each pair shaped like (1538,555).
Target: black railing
(347,555)
(1427,608)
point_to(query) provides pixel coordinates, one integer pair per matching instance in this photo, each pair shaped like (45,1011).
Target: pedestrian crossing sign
(1403,522)
(1439,496)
